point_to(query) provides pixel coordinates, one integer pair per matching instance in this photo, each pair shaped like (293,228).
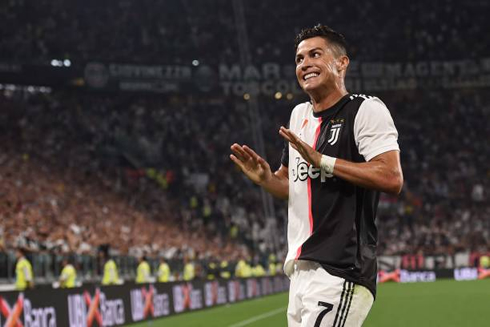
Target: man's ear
(342,63)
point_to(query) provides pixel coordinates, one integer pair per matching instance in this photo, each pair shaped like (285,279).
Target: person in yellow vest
(258,270)
(143,271)
(247,270)
(239,268)
(163,271)
(485,261)
(111,275)
(68,275)
(24,278)
(211,270)
(243,269)
(189,269)
(272,265)
(225,272)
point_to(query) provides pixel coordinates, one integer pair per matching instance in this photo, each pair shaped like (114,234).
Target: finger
(285,136)
(286,130)
(240,153)
(251,153)
(237,161)
(236,148)
(261,161)
(292,136)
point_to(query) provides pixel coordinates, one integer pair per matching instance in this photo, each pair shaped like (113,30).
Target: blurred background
(116,120)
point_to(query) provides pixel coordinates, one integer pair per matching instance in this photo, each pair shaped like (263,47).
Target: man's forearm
(277,185)
(376,174)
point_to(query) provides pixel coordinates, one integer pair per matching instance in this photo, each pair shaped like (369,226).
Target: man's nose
(305,64)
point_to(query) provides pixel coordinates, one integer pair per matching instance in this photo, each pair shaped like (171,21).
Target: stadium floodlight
(195,62)
(67,62)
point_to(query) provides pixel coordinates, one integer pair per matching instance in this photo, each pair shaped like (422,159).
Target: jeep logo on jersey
(334,134)
(303,170)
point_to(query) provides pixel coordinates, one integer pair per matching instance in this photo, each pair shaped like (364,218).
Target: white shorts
(317,298)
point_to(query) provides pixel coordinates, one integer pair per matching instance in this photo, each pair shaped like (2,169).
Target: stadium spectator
(111,274)
(163,271)
(257,269)
(225,269)
(189,272)
(23,271)
(143,272)
(68,275)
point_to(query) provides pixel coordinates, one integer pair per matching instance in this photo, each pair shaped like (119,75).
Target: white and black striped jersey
(331,221)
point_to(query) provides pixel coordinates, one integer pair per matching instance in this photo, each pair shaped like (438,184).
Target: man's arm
(29,277)
(259,171)
(63,277)
(382,173)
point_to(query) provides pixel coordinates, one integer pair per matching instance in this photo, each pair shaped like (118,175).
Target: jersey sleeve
(374,130)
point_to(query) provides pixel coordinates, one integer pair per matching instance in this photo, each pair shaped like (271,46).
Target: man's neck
(325,101)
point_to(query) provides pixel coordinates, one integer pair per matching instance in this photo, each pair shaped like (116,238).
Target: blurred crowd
(179,32)
(444,207)
(142,174)
(150,174)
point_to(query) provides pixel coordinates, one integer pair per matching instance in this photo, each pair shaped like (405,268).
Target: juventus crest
(334,134)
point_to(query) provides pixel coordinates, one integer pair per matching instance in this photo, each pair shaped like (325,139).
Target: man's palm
(251,164)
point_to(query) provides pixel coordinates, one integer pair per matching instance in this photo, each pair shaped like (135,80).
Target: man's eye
(316,54)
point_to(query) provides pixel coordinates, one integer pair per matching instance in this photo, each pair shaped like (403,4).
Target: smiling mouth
(310,75)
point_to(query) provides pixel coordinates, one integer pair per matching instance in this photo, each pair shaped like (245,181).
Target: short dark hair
(22,250)
(334,38)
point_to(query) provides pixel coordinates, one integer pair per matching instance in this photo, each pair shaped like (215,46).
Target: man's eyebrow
(309,51)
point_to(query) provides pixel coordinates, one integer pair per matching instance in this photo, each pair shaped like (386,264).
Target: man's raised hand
(307,152)
(251,164)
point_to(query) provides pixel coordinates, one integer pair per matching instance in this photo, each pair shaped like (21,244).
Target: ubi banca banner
(118,305)
(413,276)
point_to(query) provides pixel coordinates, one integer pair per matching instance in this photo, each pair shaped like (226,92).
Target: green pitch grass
(444,303)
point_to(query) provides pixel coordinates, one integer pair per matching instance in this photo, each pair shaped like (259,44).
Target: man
(111,275)
(68,275)
(211,270)
(341,151)
(24,278)
(272,265)
(163,271)
(225,269)
(243,269)
(143,271)
(257,269)
(189,272)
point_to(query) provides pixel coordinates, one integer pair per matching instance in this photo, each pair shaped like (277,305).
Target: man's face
(315,64)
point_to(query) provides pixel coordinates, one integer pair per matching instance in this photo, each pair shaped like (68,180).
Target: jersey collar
(333,109)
